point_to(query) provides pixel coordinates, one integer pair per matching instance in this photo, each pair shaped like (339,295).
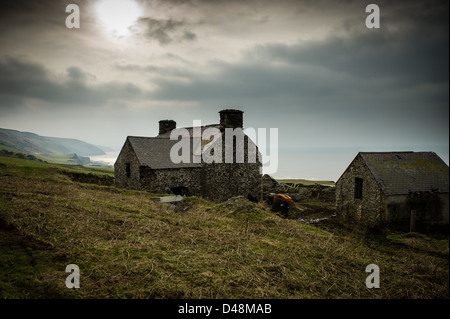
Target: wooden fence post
(262,188)
(412,222)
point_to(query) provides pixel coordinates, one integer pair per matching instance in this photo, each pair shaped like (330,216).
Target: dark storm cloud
(395,77)
(34,9)
(43,13)
(246,80)
(378,61)
(370,56)
(166,31)
(414,53)
(21,80)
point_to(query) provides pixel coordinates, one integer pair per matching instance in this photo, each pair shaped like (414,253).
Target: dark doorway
(180,190)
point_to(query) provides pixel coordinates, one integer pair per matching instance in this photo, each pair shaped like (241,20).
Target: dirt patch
(311,210)
(89,178)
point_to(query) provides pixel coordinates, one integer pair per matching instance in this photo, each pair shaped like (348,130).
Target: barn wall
(127,155)
(444,197)
(367,210)
(431,210)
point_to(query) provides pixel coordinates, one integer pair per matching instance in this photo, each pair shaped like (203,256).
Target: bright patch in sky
(117,16)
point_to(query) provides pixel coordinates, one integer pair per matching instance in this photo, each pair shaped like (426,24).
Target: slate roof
(155,152)
(405,172)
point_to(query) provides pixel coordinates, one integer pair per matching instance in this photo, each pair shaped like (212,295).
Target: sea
(107,159)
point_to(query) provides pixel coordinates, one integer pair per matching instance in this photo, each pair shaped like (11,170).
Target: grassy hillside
(57,158)
(129,246)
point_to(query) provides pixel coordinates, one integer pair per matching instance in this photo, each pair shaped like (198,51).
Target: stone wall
(166,126)
(368,210)
(444,197)
(223,181)
(231,119)
(431,209)
(216,182)
(127,155)
(167,180)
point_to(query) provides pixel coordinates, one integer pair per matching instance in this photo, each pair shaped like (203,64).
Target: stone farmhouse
(382,188)
(145,163)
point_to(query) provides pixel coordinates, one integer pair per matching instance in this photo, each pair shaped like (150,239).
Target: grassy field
(129,246)
(306,182)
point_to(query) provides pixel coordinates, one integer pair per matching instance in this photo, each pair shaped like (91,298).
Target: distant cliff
(36,144)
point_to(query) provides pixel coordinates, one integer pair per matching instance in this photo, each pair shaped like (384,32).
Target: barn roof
(155,152)
(405,172)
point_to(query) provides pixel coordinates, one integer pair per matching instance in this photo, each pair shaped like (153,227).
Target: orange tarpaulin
(284,197)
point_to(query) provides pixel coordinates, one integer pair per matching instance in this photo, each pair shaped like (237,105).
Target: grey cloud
(21,80)
(405,57)
(190,36)
(77,74)
(244,80)
(310,91)
(158,71)
(403,65)
(166,31)
(396,79)
(42,15)
(12,68)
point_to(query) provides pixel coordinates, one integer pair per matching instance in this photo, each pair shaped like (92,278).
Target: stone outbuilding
(382,188)
(145,163)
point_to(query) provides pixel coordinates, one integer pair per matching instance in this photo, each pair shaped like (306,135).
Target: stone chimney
(231,119)
(166,126)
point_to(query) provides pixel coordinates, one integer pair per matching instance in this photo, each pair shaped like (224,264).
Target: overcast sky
(312,69)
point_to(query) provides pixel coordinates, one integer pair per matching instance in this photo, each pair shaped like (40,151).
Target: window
(128,169)
(358,188)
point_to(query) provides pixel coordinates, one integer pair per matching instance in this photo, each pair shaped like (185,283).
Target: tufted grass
(129,246)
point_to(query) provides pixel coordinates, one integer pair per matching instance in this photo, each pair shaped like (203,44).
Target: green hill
(127,245)
(36,144)
(59,158)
